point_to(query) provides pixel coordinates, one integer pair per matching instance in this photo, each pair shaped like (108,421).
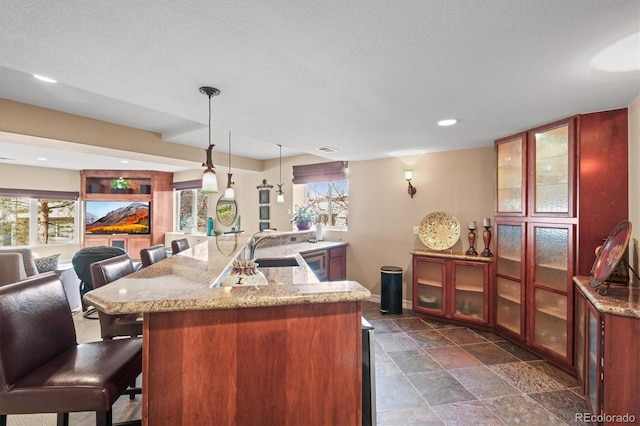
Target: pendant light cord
(280,166)
(229,151)
(209,120)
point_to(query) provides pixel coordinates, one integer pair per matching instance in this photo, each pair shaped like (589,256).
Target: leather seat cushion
(82,371)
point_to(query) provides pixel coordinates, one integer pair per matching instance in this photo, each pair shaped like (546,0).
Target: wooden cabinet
(453,286)
(328,264)
(607,341)
(144,186)
(550,217)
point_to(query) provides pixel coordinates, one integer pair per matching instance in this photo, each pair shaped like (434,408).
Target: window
(193,207)
(331,201)
(37,221)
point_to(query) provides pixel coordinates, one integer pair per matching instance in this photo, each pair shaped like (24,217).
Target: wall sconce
(408,175)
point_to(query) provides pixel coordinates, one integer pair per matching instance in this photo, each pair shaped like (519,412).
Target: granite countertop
(190,281)
(450,255)
(619,300)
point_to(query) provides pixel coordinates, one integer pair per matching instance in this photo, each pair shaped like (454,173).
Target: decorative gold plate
(439,231)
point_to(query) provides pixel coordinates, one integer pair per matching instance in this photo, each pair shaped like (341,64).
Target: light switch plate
(416,230)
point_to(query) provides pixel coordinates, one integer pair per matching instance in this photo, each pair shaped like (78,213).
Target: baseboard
(406,304)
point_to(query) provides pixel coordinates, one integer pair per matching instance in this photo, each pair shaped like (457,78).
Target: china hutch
(145,186)
(561,188)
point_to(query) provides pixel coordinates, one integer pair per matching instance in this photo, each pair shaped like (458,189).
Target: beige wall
(634,181)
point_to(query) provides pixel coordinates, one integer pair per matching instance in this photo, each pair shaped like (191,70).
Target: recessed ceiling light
(124,161)
(327,149)
(42,159)
(45,79)
(447,122)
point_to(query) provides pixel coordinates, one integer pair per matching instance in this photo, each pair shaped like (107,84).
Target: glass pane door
(550,317)
(509,304)
(429,283)
(551,170)
(509,250)
(551,256)
(510,182)
(580,336)
(468,297)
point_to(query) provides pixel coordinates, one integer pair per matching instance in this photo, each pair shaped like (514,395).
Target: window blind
(187,184)
(39,194)
(333,171)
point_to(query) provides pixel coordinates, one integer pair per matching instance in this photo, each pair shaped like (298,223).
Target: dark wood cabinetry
(607,343)
(561,188)
(143,186)
(453,286)
(328,264)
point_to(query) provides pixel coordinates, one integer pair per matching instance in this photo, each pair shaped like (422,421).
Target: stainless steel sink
(277,263)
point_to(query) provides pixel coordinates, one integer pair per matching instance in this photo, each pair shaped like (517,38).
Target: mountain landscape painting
(117,217)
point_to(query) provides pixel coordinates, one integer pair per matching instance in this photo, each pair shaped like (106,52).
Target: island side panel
(272,365)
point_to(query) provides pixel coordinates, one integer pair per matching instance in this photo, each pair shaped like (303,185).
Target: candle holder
(472,242)
(486,237)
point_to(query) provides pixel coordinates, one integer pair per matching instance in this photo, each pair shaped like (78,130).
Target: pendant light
(228,193)
(280,196)
(209,180)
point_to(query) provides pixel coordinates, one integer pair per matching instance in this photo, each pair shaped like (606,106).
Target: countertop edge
(621,300)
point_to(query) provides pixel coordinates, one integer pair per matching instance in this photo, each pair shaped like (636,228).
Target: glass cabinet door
(580,336)
(551,274)
(509,239)
(511,169)
(429,282)
(469,291)
(552,152)
(594,329)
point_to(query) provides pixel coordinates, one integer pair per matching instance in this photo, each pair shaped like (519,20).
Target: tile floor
(432,373)
(428,373)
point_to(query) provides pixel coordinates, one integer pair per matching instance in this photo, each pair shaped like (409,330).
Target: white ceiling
(365,77)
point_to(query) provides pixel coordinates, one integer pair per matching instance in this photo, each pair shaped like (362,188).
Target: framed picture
(264,196)
(264,225)
(264,212)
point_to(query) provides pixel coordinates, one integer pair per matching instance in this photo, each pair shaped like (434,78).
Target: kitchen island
(286,353)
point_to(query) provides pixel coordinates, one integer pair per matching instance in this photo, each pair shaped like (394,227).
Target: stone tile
(461,336)
(489,353)
(440,387)
(516,350)
(565,404)
(423,416)
(439,324)
(411,362)
(384,325)
(412,324)
(451,357)
(526,378)
(396,393)
(370,315)
(483,383)
(521,410)
(490,335)
(555,373)
(395,342)
(385,366)
(461,413)
(430,339)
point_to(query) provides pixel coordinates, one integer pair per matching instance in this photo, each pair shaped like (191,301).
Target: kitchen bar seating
(153,254)
(42,367)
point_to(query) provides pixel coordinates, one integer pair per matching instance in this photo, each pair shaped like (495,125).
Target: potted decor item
(120,186)
(303,217)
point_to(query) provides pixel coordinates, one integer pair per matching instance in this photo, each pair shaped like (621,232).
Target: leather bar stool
(104,272)
(153,254)
(42,367)
(179,245)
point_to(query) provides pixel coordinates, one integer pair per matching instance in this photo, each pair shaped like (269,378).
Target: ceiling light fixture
(447,122)
(45,79)
(209,180)
(228,193)
(280,196)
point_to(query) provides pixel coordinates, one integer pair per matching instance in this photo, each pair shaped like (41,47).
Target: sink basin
(277,263)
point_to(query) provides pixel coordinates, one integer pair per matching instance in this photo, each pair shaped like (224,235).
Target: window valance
(187,184)
(39,194)
(333,171)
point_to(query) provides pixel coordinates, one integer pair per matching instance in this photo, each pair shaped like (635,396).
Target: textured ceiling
(364,77)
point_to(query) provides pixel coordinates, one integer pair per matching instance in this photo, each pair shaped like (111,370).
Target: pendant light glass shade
(209,179)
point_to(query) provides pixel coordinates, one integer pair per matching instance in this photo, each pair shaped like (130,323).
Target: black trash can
(391,294)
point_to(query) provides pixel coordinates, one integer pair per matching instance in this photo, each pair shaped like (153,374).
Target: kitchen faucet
(254,242)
